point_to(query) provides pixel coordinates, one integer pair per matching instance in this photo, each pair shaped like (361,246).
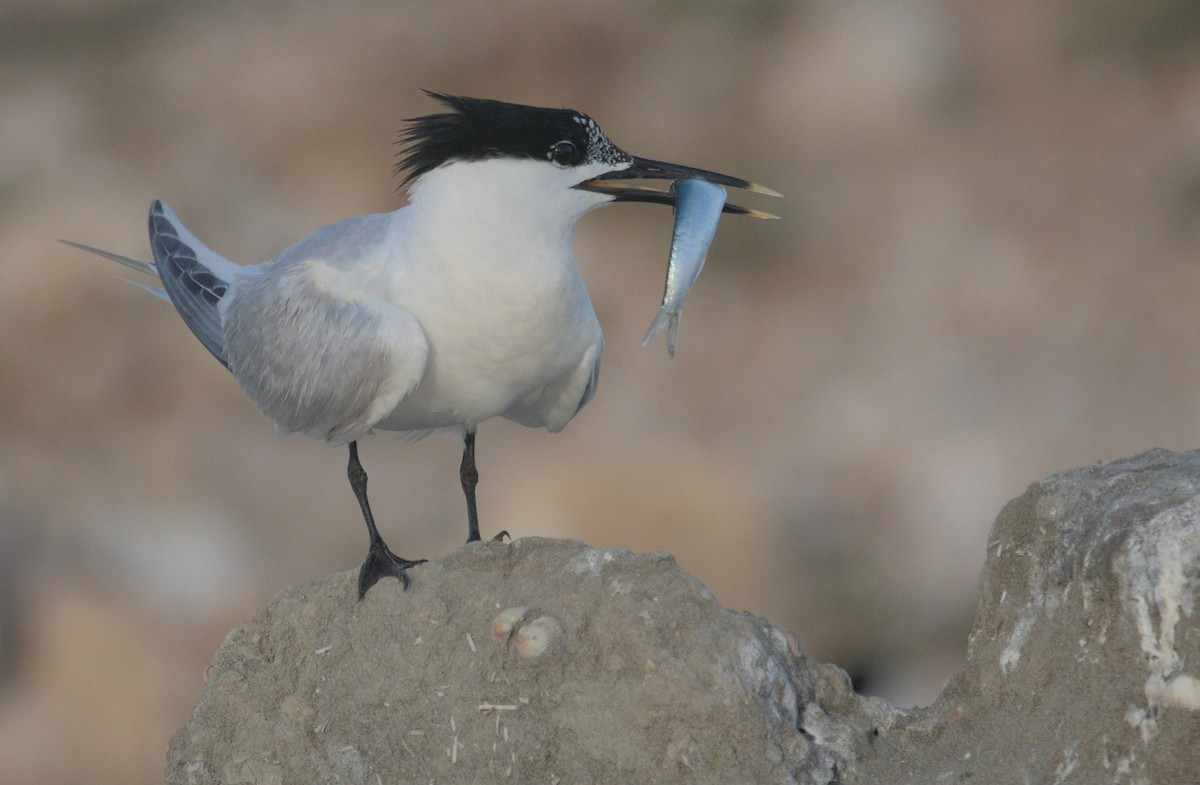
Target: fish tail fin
(667,320)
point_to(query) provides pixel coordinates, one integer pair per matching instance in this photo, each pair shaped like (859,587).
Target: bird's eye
(563,153)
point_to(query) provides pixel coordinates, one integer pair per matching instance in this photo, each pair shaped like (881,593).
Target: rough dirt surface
(651,680)
(1083,667)
(1084,661)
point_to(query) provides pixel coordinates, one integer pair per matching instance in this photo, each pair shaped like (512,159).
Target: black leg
(380,560)
(470,478)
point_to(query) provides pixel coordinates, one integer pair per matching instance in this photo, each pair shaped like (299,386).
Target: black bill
(616,185)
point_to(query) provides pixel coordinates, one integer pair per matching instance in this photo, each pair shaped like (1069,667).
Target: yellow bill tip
(762,189)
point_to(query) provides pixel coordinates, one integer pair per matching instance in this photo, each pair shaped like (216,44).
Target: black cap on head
(478,129)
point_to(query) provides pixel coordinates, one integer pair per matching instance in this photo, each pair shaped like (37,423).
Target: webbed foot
(380,563)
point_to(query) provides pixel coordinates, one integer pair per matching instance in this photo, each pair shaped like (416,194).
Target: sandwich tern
(465,304)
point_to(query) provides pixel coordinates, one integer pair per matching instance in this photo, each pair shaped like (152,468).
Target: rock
(1084,659)
(643,677)
(548,661)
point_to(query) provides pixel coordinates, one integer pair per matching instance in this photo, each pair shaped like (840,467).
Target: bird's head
(551,159)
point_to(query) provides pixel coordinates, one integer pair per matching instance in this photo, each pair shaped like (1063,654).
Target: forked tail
(195,279)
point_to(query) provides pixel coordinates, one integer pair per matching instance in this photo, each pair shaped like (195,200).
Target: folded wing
(196,279)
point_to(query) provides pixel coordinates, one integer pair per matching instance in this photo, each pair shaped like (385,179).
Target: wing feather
(195,278)
(329,364)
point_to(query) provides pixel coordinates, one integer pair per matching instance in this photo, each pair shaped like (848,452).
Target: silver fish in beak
(698,207)
(698,197)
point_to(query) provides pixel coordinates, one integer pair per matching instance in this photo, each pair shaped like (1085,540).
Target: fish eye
(563,153)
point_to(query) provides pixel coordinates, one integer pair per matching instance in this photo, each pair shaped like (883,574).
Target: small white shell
(537,637)
(502,625)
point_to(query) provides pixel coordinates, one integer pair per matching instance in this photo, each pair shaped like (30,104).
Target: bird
(463,305)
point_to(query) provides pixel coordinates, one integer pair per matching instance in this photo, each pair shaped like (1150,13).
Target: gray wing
(191,275)
(325,362)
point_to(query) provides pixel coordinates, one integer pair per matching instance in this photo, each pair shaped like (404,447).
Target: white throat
(504,205)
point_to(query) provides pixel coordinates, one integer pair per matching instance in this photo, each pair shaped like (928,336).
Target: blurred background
(987,270)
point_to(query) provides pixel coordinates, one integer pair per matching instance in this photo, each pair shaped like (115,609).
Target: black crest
(479,128)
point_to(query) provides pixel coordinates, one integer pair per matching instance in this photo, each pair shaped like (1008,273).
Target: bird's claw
(380,563)
(500,535)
